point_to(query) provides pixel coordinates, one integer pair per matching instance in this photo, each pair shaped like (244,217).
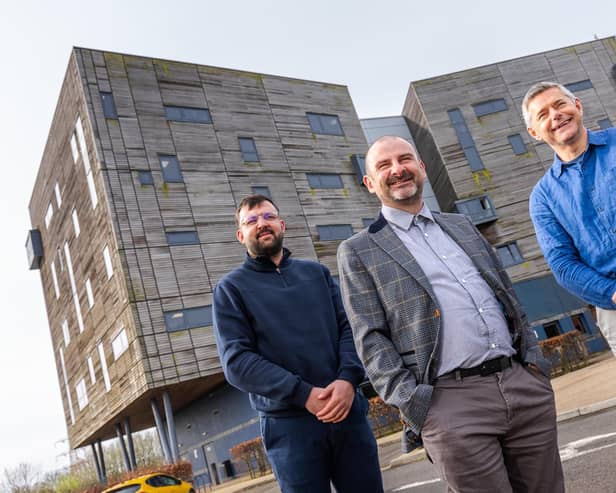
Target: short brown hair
(252,201)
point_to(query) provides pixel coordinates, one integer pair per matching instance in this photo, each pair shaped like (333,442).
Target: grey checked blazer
(395,315)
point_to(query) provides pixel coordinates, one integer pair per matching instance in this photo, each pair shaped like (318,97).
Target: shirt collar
(594,138)
(402,219)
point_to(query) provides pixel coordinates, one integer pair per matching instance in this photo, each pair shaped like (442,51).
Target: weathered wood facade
(150,276)
(507,177)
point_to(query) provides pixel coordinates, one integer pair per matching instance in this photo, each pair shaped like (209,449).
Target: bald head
(374,150)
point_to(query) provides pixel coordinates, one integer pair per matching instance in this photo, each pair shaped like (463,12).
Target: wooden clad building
(132,217)
(480,160)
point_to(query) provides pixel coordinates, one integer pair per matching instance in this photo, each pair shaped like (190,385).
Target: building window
(76,223)
(59,256)
(189,318)
(579,86)
(324,124)
(190,115)
(109,107)
(489,107)
(510,254)
(56,190)
(82,394)
(580,324)
(552,329)
(101,356)
(74,150)
(605,123)
(465,139)
(54,278)
(65,333)
(262,190)
(91,370)
(71,278)
(48,215)
(89,293)
(249,150)
(86,163)
(183,238)
(331,232)
(359,164)
(316,180)
(480,210)
(107,259)
(171,168)
(119,344)
(146,178)
(517,144)
(66,387)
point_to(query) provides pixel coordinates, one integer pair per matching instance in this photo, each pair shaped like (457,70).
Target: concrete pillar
(162,433)
(131,446)
(173,439)
(118,429)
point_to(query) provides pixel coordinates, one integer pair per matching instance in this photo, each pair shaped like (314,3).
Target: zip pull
(278,270)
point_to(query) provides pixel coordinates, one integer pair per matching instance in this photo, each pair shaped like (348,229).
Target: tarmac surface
(582,391)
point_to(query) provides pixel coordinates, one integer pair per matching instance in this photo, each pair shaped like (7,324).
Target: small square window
(605,123)
(109,107)
(510,254)
(249,150)
(262,190)
(332,232)
(517,144)
(489,107)
(171,168)
(325,180)
(324,124)
(182,238)
(146,178)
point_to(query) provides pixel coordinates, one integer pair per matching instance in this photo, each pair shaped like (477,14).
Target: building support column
(129,441)
(101,458)
(118,429)
(173,439)
(99,474)
(162,433)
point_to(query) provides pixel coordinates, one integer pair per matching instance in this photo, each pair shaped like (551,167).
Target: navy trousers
(307,454)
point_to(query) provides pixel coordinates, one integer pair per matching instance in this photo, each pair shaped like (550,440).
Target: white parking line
(572,449)
(415,485)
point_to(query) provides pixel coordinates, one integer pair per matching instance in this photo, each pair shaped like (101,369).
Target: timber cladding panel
(150,276)
(507,178)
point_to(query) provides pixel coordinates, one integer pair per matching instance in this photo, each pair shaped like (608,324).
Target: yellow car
(150,483)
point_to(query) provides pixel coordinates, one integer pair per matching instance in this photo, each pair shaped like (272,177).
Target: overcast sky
(375,48)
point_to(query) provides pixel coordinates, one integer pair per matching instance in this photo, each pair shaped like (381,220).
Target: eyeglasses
(254,218)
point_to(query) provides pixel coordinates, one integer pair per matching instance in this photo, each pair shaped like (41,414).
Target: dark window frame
(324,180)
(580,85)
(605,123)
(490,107)
(171,174)
(145,177)
(187,114)
(485,213)
(188,318)
(517,144)
(513,255)
(261,190)
(465,139)
(108,104)
(250,154)
(179,238)
(332,232)
(319,125)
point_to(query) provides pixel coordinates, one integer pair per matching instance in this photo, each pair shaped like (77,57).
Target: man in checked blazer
(443,337)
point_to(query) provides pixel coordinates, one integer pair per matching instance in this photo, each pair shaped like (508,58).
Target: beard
(268,247)
(412,190)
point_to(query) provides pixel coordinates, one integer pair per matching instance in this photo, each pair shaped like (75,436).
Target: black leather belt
(486,368)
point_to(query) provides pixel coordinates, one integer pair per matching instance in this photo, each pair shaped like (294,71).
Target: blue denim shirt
(573,208)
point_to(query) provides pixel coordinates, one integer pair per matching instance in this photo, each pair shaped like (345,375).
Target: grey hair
(538,89)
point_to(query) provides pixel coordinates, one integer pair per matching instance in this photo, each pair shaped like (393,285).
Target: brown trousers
(495,434)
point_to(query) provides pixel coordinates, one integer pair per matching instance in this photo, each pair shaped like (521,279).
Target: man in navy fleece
(284,338)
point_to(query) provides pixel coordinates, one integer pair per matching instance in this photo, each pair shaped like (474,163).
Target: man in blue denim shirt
(573,206)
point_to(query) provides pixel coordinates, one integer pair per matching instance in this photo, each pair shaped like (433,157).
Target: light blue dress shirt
(573,208)
(473,326)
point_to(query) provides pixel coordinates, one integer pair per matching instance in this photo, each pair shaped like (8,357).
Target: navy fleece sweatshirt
(282,330)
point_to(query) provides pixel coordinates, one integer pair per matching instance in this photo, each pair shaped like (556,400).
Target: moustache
(404,176)
(265,231)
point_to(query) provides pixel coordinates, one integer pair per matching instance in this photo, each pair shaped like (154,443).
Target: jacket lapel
(389,242)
